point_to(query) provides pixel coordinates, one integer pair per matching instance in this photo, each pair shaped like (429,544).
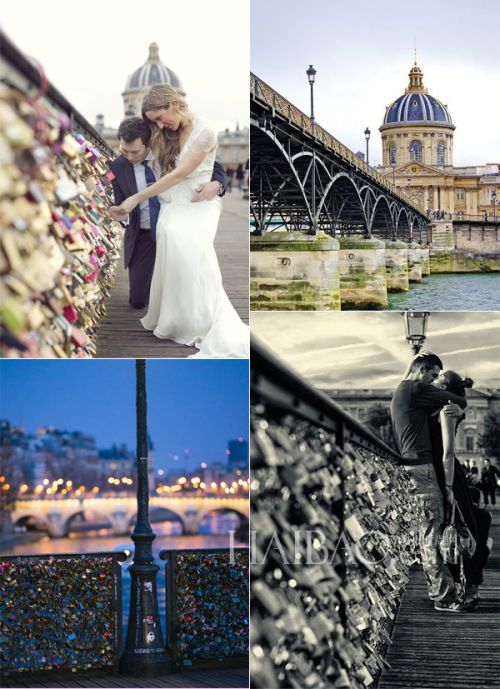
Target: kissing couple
(426,409)
(166,186)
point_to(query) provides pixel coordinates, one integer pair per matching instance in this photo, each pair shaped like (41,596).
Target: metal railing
(478,217)
(273,380)
(207,606)
(267,95)
(321,476)
(60,613)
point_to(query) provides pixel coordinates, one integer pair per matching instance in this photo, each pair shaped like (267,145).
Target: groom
(133,172)
(414,399)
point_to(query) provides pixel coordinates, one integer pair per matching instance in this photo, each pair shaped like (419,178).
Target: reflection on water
(168,536)
(452,292)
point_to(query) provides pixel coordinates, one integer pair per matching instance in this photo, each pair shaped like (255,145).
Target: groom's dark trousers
(139,245)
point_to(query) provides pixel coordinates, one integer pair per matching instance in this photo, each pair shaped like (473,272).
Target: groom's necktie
(154,204)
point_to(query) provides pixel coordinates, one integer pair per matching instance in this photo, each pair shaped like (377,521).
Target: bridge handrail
(262,91)
(73,651)
(272,379)
(13,56)
(192,640)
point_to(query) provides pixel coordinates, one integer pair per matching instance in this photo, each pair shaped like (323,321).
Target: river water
(450,292)
(167,537)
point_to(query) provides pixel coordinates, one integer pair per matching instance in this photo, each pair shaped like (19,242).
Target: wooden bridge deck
(121,335)
(438,650)
(193,678)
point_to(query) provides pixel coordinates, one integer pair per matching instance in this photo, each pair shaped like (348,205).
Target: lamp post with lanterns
(415,328)
(494,199)
(311,76)
(144,654)
(367,138)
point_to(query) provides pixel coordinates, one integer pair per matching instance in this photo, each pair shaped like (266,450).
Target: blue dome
(417,107)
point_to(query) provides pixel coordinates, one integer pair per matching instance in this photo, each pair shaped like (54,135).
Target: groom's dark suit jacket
(124,185)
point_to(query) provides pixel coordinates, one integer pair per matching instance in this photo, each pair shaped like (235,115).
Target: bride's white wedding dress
(187,302)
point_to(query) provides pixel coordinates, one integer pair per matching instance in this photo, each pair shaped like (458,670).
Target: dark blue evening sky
(195,405)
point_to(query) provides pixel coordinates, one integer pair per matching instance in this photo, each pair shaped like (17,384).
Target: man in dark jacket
(133,171)
(414,398)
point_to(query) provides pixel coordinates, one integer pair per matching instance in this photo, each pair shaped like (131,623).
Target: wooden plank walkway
(121,335)
(194,678)
(438,650)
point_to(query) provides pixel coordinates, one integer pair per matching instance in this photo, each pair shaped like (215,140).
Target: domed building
(152,72)
(417,127)
(417,152)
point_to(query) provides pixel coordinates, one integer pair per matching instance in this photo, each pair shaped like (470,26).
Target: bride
(187,302)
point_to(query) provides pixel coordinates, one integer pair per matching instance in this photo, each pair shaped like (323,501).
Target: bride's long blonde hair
(165,145)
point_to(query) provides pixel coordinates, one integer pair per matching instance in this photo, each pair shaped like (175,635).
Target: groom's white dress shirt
(140,179)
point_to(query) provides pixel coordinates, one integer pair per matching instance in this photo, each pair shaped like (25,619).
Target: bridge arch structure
(57,514)
(302,178)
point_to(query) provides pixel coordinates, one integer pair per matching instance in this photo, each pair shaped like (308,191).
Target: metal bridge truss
(294,161)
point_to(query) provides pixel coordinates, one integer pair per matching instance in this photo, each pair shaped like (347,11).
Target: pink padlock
(70,313)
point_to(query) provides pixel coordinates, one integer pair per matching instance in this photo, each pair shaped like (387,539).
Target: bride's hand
(129,204)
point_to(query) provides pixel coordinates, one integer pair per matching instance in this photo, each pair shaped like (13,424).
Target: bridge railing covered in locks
(263,92)
(207,606)
(60,613)
(58,245)
(333,528)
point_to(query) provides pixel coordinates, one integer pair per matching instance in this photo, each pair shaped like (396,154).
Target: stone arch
(154,510)
(78,513)
(30,521)
(243,518)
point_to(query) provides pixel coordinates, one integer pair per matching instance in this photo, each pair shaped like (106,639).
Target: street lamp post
(415,328)
(494,198)
(311,76)
(144,654)
(393,165)
(367,137)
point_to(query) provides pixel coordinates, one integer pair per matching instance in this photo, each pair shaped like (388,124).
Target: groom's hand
(206,192)
(117,213)
(453,410)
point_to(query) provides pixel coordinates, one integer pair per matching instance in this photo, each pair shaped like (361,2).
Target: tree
(489,438)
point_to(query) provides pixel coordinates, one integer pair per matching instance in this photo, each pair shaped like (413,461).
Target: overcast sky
(89,49)
(363,51)
(368,349)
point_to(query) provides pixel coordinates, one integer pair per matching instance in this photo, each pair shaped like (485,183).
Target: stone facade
(417,153)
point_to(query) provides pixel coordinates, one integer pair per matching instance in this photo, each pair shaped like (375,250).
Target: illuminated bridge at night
(57,515)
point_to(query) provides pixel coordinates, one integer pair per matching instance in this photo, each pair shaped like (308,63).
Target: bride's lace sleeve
(205,141)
